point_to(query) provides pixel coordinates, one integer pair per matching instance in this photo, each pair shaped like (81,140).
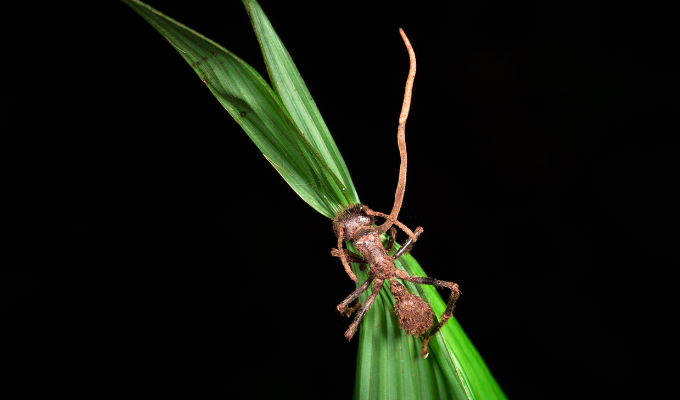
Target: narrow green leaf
(259,110)
(290,86)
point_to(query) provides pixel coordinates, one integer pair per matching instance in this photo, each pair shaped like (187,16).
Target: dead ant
(354,224)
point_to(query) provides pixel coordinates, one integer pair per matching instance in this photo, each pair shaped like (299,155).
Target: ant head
(352,218)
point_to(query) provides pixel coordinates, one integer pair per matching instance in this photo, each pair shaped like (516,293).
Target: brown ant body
(354,224)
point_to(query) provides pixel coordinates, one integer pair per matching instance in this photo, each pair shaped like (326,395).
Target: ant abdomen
(415,315)
(350,219)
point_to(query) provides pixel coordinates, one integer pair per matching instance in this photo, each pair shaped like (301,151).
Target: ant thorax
(368,242)
(356,222)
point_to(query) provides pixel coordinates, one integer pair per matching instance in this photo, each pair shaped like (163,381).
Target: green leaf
(289,85)
(287,127)
(260,112)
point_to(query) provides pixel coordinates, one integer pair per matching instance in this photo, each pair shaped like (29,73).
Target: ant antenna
(399,195)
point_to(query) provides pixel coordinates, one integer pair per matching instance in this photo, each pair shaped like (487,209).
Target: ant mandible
(354,224)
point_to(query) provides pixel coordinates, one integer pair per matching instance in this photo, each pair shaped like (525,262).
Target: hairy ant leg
(393,235)
(377,286)
(401,226)
(342,307)
(450,305)
(351,310)
(350,256)
(341,253)
(413,237)
(407,245)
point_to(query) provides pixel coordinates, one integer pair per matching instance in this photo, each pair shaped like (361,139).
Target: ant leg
(377,285)
(342,306)
(401,134)
(397,223)
(393,235)
(450,305)
(408,245)
(341,253)
(351,257)
(413,236)
(351,310)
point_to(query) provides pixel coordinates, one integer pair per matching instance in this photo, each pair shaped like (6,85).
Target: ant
(355,224)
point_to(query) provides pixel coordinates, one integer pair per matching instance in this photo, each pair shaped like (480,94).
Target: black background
(538,166)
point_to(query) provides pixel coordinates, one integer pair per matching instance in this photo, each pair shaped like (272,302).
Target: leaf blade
(257,109)
(289,85)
